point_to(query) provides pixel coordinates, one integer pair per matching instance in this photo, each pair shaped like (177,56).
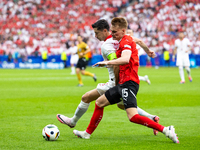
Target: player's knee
(100,104)
(180,67)
(186,67)
(133,118)
(83,72)
(85,98)
(77,71)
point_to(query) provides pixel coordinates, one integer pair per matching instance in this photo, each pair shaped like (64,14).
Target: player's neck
(121,38)
(107,36)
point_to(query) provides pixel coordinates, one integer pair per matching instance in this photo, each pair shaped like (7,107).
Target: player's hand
(81,54)
(151,54)
(101,64)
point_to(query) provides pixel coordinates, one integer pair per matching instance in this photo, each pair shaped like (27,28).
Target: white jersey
(182,52)
(107,48)
(182,46)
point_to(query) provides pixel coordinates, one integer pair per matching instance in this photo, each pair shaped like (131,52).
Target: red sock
(96,118)
(146,122)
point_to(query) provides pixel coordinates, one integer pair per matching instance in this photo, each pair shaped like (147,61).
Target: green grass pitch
(30,99)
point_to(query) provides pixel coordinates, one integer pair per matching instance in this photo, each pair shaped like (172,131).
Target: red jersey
(128,71)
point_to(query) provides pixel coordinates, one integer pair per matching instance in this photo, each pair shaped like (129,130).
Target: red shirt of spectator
(128,71)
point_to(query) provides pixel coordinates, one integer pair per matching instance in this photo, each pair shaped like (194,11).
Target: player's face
(117,33)
(99,34)
(130,32)
(181,35)
(79,39)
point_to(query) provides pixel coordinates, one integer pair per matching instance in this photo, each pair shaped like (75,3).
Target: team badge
(116,45)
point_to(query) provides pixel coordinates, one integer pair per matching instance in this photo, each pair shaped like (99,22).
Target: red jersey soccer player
(128,61)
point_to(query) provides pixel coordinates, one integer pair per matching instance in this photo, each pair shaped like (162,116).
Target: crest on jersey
(116,45)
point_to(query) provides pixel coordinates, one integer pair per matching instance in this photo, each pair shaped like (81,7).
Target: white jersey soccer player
(74,57)
(182,47)
(108,50)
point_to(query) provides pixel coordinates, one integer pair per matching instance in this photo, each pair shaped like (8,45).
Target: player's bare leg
(133,117)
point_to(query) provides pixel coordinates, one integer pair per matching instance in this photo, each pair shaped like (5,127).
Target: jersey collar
(108,37)
(121,39)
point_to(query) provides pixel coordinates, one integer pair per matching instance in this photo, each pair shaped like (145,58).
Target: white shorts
(103,87)
(74,59)
(183,60)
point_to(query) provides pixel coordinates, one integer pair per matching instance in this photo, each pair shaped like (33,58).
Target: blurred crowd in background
(29,27)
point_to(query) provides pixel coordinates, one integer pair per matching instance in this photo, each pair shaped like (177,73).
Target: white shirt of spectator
(107,48)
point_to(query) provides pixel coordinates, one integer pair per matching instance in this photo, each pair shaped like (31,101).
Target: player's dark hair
(101,24)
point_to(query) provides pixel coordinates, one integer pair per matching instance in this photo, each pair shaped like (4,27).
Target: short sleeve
(108,49)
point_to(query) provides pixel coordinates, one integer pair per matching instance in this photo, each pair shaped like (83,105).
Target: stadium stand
(28,27)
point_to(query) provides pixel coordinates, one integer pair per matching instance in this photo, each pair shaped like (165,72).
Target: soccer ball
(50,132)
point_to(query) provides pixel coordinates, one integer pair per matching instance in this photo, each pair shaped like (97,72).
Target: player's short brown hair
(120,21)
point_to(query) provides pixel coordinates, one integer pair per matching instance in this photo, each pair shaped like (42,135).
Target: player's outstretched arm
(144,46)
(141,44)
(124,59)
(101,64)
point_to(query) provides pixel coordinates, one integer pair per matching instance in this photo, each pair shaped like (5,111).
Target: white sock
(188,71)
(164,130)
(142,78)
(144,113)
(73,69)
(181,73)
(80,110)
